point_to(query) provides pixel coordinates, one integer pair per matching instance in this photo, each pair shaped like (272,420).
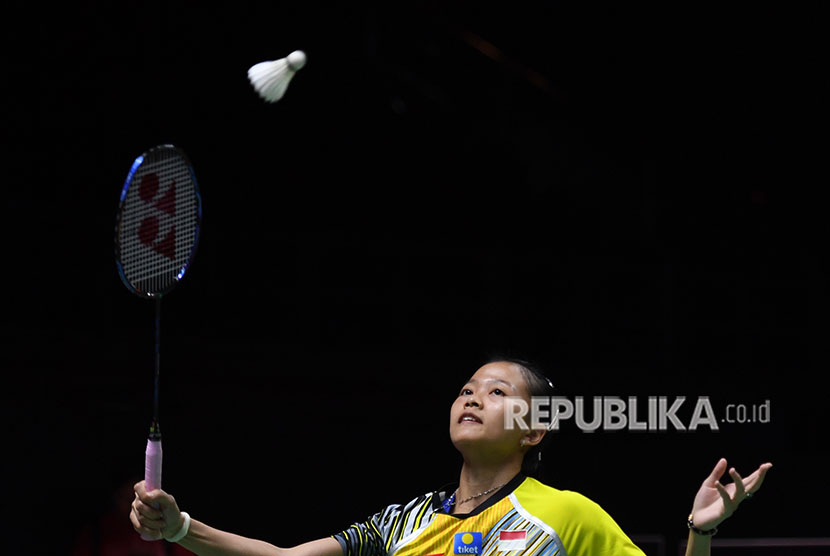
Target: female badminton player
(496,507)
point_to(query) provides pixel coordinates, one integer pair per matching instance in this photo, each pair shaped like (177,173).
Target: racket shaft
(152,469)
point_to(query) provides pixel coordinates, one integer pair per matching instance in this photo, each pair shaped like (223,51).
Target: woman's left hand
(715,502)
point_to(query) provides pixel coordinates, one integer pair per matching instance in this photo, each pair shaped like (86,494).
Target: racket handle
(152,470)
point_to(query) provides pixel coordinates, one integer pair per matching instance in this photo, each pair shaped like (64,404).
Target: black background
(631,196)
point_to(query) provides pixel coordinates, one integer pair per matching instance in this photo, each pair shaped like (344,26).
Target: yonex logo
(148,230)
(467,543)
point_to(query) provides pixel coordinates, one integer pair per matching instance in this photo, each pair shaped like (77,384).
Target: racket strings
(159,223)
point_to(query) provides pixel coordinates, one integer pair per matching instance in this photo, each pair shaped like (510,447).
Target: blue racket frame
(122,199)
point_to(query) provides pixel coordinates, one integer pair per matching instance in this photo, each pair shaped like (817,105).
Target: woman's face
(477,415)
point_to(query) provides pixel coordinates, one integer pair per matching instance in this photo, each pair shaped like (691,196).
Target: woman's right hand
(155,514)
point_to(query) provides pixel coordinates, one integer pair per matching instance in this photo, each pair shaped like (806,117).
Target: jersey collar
(446,491)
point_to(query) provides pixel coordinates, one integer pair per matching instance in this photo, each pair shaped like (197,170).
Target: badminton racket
(156,233)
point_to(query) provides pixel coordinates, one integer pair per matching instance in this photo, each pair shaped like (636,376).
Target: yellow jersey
(524,518)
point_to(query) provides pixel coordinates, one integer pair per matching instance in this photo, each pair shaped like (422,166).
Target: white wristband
(183,531)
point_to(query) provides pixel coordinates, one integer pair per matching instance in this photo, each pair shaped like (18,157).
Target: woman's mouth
(469,418)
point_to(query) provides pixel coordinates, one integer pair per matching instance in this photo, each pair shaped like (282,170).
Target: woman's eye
(498,392)
(466,392)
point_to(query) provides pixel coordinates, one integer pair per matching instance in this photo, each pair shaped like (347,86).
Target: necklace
(448,504)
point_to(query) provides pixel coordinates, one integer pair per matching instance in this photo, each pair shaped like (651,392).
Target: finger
(134,519)
(139,489)
(751,481)
(155,524)
(760,474)
(740,491)
(149,534)
(151,498)
(727,500)
(144,510)
(148,496)
(718,470)
(144,527)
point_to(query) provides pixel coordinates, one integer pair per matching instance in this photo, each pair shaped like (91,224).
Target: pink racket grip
(152,470)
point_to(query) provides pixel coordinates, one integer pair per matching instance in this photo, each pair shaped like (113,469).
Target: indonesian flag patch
(512,540)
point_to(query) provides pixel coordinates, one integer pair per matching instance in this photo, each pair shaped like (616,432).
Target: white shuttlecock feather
(270,79)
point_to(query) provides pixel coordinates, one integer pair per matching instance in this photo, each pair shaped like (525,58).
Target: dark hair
(537,385)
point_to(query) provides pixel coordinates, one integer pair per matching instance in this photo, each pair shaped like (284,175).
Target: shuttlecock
(271,79)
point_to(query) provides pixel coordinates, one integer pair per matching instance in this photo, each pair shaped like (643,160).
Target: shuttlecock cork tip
(296,60)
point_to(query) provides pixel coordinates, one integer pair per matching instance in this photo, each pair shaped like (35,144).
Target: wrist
(697,530)
(182,532)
